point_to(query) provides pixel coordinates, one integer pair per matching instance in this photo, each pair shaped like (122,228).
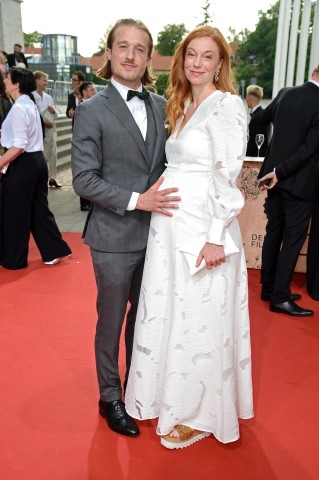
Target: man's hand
(213,255)
(271,178)
(51,109)
(47,124)
(157,201)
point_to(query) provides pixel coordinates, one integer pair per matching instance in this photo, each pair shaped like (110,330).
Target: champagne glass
(259,139)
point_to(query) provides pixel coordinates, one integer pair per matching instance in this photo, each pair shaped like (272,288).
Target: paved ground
(65,204)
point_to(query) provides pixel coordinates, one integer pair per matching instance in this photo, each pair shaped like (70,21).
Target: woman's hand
(213,255)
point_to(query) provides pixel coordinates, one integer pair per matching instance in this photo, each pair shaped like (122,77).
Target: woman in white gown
(191,363)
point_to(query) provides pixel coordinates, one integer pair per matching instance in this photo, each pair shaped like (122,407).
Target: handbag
(190,251)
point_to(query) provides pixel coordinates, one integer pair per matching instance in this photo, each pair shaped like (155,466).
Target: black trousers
(286,230)
(24,209)
(313,254)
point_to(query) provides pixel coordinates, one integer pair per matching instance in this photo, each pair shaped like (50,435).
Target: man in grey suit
(118,155)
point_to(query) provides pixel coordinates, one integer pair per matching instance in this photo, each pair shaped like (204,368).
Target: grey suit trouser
(118,279)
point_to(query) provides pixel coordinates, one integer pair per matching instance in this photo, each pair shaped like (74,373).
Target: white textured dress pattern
(191,360)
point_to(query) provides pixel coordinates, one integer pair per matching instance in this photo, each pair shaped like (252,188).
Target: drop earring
(216,76)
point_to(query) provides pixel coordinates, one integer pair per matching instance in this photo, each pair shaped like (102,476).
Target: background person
(77,79)
(24,191)
(49,114)
(254,94)
(291,166)
(3,63)
(191,363)
(17,57)
(5,102)
(312,272)
(117,156)
(86,91)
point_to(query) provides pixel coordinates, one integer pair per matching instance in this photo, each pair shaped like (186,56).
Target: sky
(89,20)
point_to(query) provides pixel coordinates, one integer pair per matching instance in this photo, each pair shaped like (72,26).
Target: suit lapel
(115,103)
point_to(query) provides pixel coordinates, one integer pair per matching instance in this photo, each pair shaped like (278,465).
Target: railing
(60,91)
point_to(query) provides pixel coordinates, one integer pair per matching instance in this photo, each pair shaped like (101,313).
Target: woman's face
(11,88)
(201,61)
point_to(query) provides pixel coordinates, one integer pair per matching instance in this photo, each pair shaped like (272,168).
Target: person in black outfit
(77,79)
(313,251)
(24,188)
(291,166)
(254,94)
(17,56)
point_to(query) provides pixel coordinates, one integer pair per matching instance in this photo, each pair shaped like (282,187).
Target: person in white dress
(191,363)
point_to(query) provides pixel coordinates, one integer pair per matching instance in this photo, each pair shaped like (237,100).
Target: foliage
(161,83)
(257,49)
(169,38)
(207,17)
(102,42)
(30,39)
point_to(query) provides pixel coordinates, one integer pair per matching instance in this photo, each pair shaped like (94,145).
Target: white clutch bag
(190,251)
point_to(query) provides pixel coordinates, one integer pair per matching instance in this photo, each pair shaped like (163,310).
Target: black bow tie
(134,93)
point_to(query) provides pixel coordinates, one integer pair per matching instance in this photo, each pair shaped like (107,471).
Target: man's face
(75,81)
(41,83)
(17,49)
(129,55)
(249,101)
(90,91)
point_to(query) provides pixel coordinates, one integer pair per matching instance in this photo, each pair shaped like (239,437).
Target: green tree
(257,50)
(102,42)
(169,38)
(161,83)
(206,12)
(30,39)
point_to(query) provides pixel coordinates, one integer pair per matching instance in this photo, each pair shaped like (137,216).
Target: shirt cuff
(133,201)
(216,232)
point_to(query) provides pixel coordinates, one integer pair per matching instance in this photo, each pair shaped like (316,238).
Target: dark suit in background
(313,252)
(255,127)
(71,104)
(14,58)
(294,154)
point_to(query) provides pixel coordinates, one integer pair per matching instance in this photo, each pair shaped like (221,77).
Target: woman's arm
(10,155)
(228,132)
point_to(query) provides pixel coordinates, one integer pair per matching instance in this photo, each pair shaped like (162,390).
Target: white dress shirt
(43,102)
(138,110)
(22,126)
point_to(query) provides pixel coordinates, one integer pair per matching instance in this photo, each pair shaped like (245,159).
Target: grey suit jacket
(109,162)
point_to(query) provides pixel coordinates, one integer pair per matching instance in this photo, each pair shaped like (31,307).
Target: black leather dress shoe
(290,308)
(85,208)
(266,296)
(117,418)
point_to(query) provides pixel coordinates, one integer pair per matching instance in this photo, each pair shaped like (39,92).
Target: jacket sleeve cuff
(279,173)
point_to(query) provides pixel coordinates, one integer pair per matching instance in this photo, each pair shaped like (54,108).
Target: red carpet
(50,429)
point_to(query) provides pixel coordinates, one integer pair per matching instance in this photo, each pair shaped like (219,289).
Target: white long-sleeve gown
(191,360)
